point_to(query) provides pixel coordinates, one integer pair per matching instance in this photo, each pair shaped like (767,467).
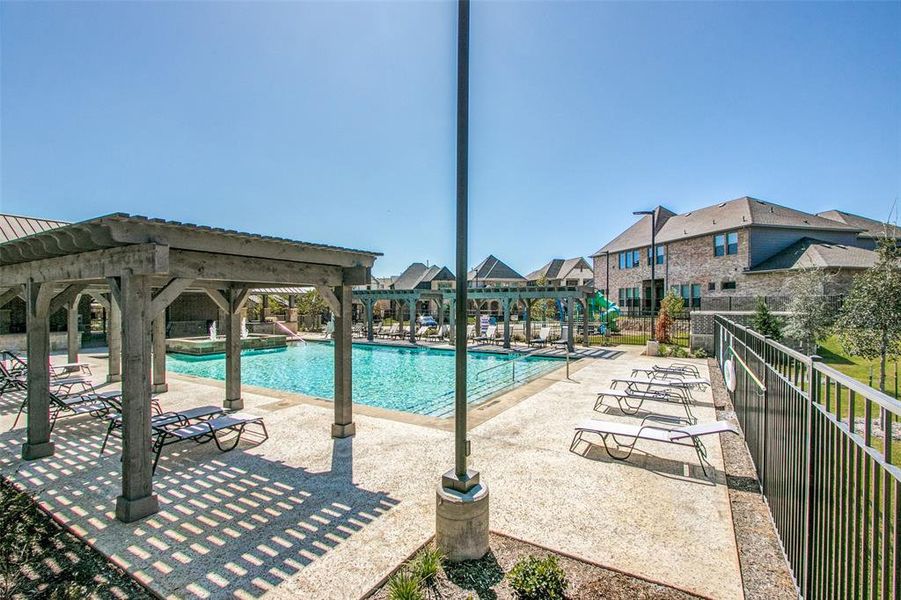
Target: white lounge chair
(676,368)
(490,334)
(542,338)
(685,435)
(630,400)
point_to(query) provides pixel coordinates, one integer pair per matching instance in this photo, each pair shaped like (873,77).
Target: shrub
(426,564)
(538,579)
(667,350)
(404,585)
(700,353)
(670,307)
(764,322)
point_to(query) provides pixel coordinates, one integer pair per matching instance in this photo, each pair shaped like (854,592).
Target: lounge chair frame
(207,431)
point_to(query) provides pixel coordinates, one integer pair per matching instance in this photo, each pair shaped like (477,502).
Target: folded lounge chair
(10,380)
(208,431)
(629,433)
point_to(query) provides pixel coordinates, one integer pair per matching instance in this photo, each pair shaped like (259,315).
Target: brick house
(743,248)
(560,272)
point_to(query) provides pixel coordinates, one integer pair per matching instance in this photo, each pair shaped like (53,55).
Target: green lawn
(859,368)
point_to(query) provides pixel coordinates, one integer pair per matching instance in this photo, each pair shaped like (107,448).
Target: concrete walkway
(303,515)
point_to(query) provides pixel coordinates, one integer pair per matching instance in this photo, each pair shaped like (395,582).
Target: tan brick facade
(692,261)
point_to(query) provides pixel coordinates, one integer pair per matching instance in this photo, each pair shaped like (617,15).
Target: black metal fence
(636,327)
(822,447)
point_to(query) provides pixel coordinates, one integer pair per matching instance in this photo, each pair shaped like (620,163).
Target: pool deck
(303,515)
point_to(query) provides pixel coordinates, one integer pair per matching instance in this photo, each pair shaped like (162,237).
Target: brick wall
(692,261)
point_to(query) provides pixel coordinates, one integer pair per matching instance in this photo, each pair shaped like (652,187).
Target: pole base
(461,523)
(35,451)
(129,511)
(343,431)
(159,388)
(233,404)
(113,378)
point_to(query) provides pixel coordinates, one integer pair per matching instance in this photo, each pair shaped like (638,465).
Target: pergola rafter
(144,264)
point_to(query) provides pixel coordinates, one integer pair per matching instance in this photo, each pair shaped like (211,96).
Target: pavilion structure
(136,267)
(510,298)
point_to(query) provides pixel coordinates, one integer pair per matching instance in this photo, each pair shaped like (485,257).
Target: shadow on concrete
(230,525)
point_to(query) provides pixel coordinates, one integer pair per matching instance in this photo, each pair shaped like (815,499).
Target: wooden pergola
(508,296)
(144,264)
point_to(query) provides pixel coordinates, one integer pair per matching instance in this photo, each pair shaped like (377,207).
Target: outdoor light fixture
(653,264)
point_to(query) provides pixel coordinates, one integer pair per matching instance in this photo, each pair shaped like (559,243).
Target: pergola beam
(13,292)
(98,264)
(164,297)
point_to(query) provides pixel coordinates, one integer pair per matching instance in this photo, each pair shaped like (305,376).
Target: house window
(725,243)
(661,254)
(629,259)
(696,295)
(728,285)
(711,287)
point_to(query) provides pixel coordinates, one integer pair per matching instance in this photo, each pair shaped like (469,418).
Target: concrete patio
(305,515)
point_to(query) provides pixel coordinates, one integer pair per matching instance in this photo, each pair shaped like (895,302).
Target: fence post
(813,393)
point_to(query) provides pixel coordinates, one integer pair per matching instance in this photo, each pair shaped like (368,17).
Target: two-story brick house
(741,248)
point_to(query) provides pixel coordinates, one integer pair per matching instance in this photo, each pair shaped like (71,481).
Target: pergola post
(264,306)
(585,327)
(159,354)
(570,324)
(400,316)
(114,333)
(412,304)
(507,322)
(72,330)
(369,320)
(137,499)
(452,319)
(343,425)
(528,304)
(440,305)
(236,299)
(478,321)
(37,333)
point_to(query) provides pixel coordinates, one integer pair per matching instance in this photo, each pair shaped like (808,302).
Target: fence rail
(826,464)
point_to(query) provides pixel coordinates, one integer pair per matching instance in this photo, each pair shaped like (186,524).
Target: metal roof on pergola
(145,264)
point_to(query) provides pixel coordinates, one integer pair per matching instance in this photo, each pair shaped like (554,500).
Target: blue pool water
(415,380)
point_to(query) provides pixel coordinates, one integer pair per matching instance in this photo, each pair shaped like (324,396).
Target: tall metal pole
(653,278)
(460,406)
(607,290)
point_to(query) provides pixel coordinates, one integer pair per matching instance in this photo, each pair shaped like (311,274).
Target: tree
(764,322)
(310,303)
(869,324)
(670,307)
(809,319)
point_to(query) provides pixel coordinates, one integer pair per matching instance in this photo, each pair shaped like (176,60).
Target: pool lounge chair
(636,384)
(684,435)
(441,333)
(74,406)
(11,380)
(630,400)
(421,332)
(171,419)
(64,389)
(684,369)
(489,336)
(208,431)
(542,338)
(390,331)
(563,341)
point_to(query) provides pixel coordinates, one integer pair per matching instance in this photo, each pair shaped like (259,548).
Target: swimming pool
(414,380)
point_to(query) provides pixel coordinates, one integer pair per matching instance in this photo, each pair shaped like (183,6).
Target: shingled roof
(734,214)
(418,273)
(812,253)
(493,269)
(559,268)
(13,227)
(871,227)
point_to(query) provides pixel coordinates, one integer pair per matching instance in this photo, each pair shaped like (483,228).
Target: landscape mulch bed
(484,579)
(40,559)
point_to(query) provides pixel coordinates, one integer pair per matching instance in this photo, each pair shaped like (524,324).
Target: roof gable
(872,228)
(493,269)
(812,253)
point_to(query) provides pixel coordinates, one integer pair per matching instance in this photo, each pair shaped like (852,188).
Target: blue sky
(334,122)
